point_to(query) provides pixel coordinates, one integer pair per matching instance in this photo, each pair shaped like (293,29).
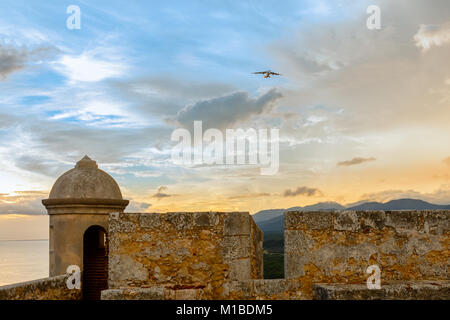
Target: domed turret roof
(85,181)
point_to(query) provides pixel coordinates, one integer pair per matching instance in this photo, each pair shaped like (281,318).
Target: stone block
(186,294)
(437,222)
(114,215)
(270,287)
(235,247)
(153,293)
(346,221)
(181,220)
(121,225)
(240,269)
(159,250)
(403,219)
(372,219)
(294,289)
(150,221)
(297,242)
(319,220)
(294,265)
(292,219)
(258,236)
(114,244)
(122,267)
(206,219)
(314,220)
(407,290)
(236,223)
(244,289)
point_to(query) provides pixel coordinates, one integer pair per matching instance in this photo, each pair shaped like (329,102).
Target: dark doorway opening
(95,262)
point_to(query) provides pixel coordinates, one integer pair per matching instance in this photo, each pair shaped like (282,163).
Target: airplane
(267,73)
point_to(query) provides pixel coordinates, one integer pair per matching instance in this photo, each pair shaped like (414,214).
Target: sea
(23,260)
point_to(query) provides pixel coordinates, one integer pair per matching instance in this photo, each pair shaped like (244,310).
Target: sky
(363,115)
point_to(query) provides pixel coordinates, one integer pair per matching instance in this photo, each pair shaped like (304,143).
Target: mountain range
(272,220)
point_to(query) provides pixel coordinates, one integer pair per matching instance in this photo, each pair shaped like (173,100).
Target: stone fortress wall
(186,254)
(53,288)
(337,247)
(219,255)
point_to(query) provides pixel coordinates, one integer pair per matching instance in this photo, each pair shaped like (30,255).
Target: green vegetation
(274,242)
(273,255)
(273,265)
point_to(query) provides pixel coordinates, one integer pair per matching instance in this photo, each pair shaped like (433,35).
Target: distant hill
(321,206)
(272,221)
(400,204)
(265,215)
(274,225)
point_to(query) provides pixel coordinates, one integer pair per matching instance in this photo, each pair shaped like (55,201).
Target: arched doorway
(95,262)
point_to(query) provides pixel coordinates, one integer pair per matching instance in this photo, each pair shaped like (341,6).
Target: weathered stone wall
(53,288)
(253,289)
(263,289)
(184,254)
(337,247)
(404,290)
(219,255)
(256,251)
(282,289)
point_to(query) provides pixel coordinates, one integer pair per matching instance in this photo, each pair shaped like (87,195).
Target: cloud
(50,147)
(343,64)
(144,205)
(39,165)
(432,35)
(250,196)
(354,161)
(136,206)
(104,144)
(8,120)
(160,194)
(306,191)
(226,111)
(164,96)
(13,59)
(187,89)
(89,68)
(23,202)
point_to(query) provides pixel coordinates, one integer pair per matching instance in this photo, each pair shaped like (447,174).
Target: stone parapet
(54,288)
(183,251)
(338,247)
(407,290)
